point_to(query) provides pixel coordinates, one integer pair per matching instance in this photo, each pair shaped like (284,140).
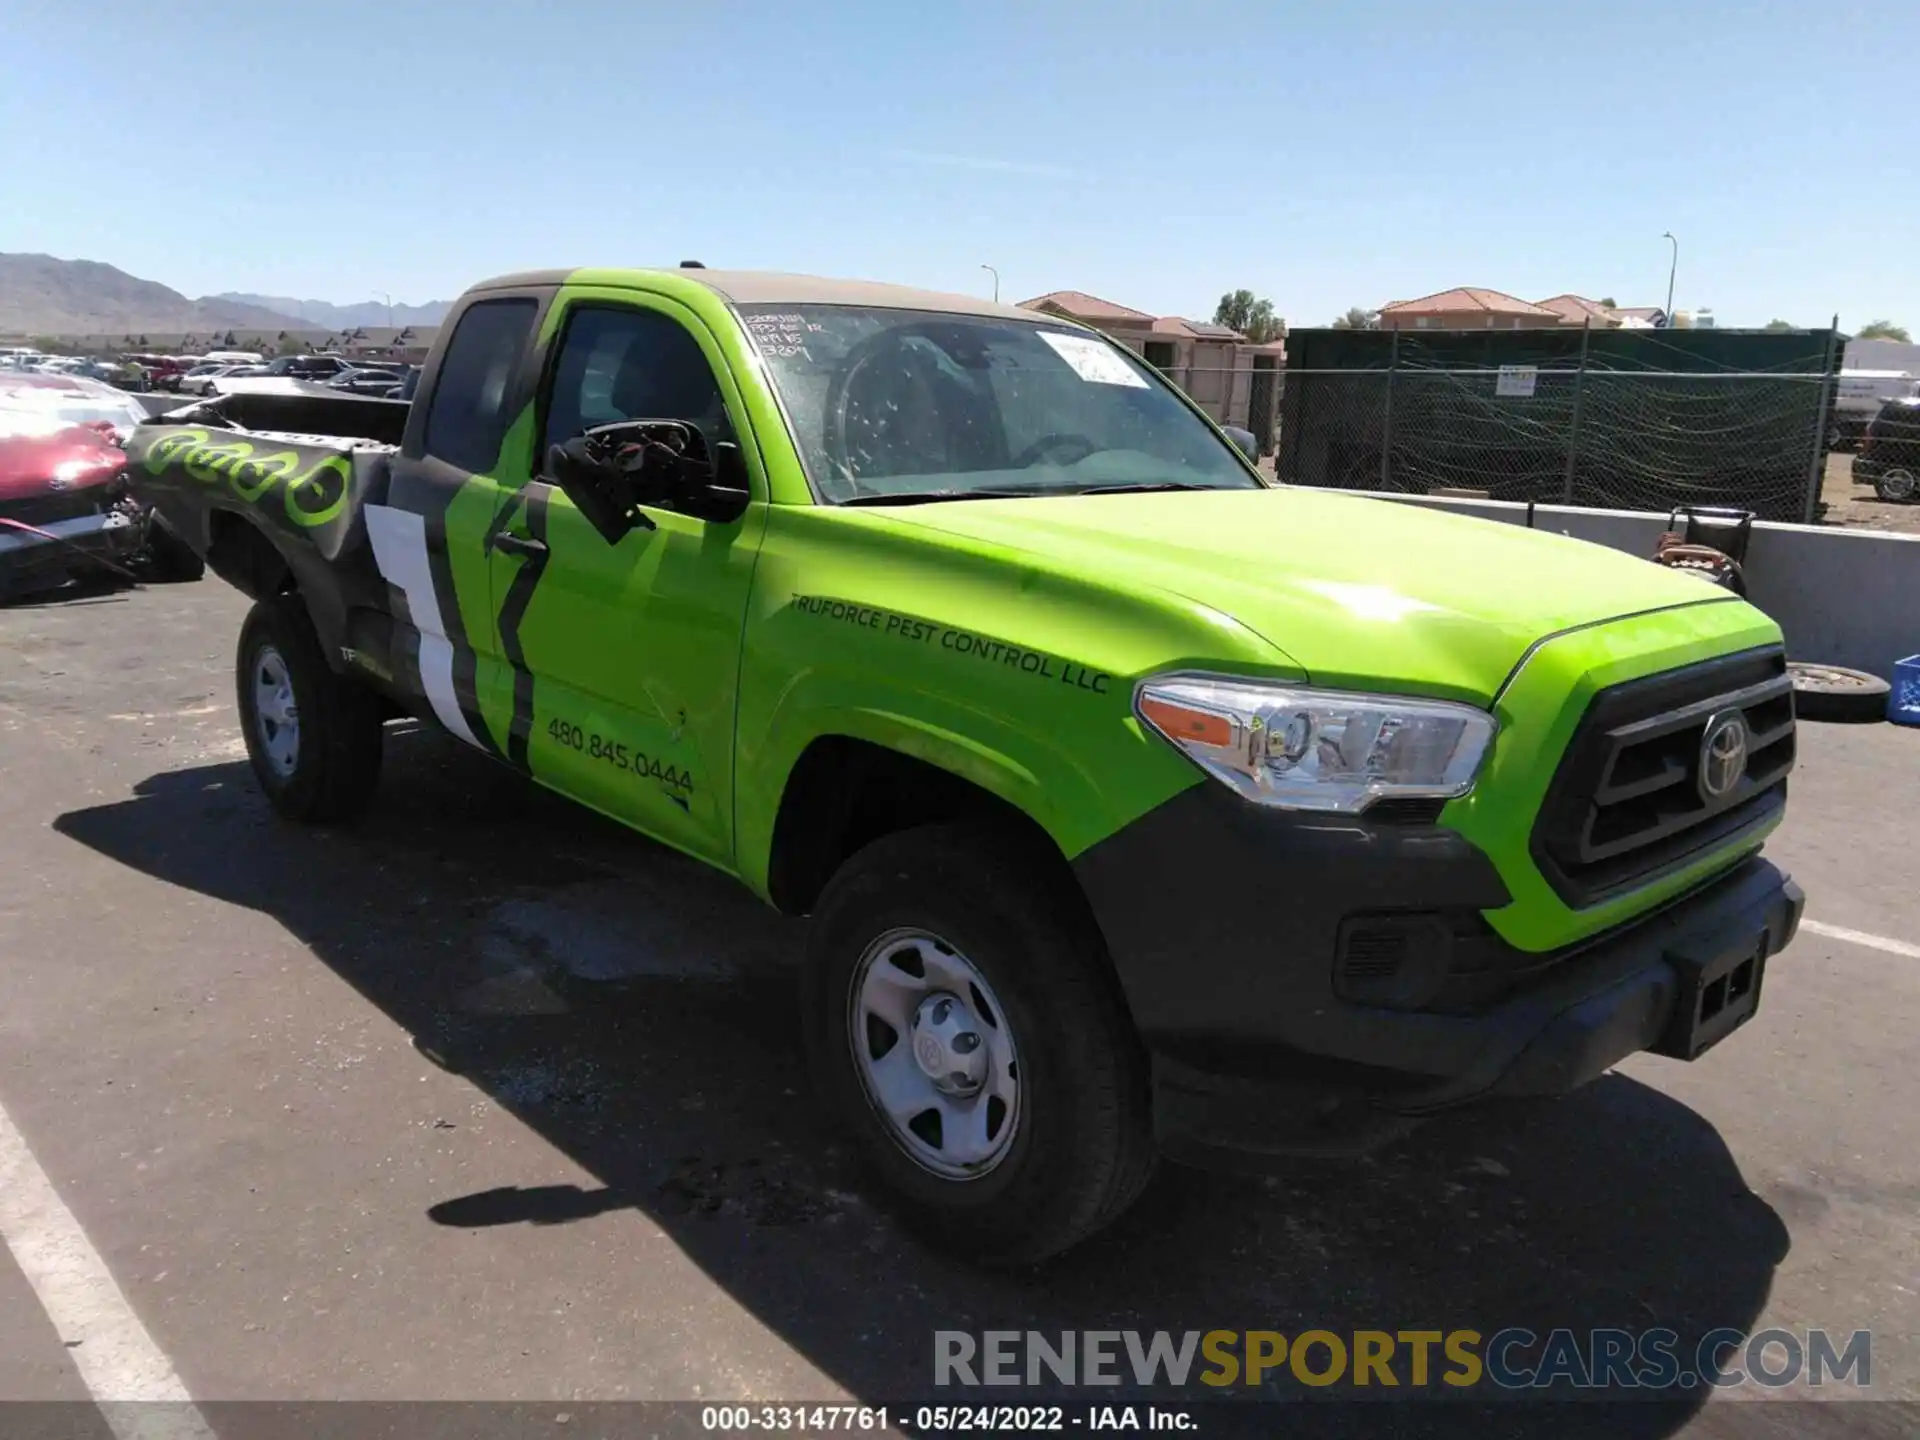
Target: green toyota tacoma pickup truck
(1140,806)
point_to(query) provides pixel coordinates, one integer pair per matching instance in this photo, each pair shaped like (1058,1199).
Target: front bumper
(30,561)
(1226,925)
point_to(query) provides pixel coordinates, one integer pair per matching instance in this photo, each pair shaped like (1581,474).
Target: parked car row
(195,374)
(33,362)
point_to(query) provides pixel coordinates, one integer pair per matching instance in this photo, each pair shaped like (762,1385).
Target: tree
(1358,319)
(1239,310)
(1780,325)
(1609,302)
(1884,330)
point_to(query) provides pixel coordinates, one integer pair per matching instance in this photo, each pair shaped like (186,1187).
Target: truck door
(428,538)
(624,658)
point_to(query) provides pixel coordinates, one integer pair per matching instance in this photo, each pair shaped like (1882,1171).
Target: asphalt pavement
(488,1099)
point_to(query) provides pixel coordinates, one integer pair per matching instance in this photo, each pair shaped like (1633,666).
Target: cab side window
(468,415)
(627,364)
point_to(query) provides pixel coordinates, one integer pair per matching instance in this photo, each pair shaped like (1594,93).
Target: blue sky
(1320,154)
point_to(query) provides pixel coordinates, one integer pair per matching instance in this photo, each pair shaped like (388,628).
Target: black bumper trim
(1223,919)
(1636,991)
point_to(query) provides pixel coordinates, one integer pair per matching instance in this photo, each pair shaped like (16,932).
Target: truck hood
(1357,592)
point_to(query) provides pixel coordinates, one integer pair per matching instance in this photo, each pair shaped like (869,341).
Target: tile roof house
(1468,307)
(1088,309)
(1214,364)
(1578,310)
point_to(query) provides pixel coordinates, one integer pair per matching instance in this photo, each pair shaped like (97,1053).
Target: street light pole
(1668,235)
(389,299)
(996,282)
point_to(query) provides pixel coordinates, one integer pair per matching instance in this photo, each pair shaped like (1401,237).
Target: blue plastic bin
(1903,700)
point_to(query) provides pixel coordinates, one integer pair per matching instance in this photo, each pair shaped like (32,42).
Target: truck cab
(1141,806)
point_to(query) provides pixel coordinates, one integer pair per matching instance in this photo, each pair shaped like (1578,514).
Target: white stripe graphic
(1861,937)
(133,1383)
(400,550)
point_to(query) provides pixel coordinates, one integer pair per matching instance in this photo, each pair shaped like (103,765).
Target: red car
(64,507)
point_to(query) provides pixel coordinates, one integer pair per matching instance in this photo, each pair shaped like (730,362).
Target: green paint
(312,497)
(679,675)
(1002,639)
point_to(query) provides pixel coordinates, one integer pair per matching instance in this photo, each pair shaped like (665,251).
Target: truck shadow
(638,1012)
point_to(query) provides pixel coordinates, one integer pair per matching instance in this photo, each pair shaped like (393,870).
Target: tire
(1075,1148)
(169,556)
(332,766)
(1897,484)
(1837,694)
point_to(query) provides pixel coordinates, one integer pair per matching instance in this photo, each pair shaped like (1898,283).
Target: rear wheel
(313,736)
(965,1028)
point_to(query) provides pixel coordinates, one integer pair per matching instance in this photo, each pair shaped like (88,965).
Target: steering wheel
(835,439)
(1080,446)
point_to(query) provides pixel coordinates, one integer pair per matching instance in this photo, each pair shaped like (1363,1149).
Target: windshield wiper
(929,497)
(1145,485)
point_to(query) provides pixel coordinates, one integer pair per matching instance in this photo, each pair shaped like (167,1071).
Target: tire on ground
(336,763)
(1083,1148)
(1897,484)
(1835,693)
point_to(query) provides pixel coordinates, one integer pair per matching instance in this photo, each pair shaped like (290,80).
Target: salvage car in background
(1889,458)
(64,503)
(373,380)
(199,380)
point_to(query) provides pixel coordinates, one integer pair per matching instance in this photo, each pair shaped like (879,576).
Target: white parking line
(134,1384)
(1861,937)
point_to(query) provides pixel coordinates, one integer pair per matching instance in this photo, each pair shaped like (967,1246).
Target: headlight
(1301,749)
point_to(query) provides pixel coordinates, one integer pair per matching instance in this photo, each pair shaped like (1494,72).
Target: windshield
(901,402)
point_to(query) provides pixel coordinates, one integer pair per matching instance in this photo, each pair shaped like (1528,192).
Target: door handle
(518,544)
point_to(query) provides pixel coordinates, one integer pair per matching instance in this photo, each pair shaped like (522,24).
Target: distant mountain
(42,295)
(328,316)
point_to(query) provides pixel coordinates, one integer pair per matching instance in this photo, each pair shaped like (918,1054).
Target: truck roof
(769,287)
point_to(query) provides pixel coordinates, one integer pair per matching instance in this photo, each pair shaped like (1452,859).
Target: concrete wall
(1843,597)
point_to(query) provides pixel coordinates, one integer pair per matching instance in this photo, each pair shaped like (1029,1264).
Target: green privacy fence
(1626,419)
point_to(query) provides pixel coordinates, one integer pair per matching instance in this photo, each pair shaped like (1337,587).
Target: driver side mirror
(1243,442)
(612,471)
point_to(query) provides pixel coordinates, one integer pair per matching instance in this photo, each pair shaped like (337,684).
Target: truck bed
(300,467)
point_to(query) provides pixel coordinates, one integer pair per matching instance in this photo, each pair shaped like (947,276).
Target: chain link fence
(1573,429)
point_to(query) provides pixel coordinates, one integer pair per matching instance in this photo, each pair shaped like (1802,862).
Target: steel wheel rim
(906,1028)
(1898,484)
(276,715)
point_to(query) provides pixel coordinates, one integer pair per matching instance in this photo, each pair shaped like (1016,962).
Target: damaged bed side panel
(303,495)
(309,489)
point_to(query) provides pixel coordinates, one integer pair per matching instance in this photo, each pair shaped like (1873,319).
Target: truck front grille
(1629,804)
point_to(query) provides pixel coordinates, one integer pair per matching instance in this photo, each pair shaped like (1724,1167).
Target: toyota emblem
(1723,755)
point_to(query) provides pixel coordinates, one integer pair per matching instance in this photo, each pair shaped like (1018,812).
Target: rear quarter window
(468,415)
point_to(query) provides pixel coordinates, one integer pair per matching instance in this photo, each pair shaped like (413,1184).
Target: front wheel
(964,1026)
(313,736)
